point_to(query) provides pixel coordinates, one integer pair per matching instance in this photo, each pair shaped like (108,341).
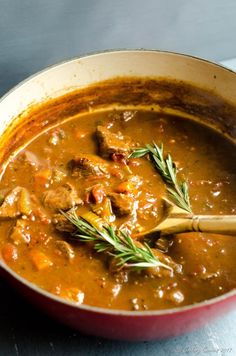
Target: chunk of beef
(62,224)
(66,249)
(161,271)
(17,202)
(88,165)
(63,197)
(163,244)
(120,273)
(112,143)
(122,204)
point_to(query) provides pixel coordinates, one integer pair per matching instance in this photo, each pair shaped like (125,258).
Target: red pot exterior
(92,69)
(125,327)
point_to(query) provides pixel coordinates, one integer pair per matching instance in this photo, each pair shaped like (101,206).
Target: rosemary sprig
(117,244)
(178,191)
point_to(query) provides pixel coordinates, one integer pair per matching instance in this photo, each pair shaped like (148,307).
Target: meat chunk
(112,143)
(122,204)
(17,202)
(161,272)
(63,197)
(163,244)
(88,165)
(66,249)
(121,274)
(63,224)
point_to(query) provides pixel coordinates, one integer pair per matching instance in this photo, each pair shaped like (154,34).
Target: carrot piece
(125,187)
(9,252)
(40,260)
(43,176)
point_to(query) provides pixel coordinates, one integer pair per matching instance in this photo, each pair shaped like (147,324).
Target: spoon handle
(218,224)
(215,224)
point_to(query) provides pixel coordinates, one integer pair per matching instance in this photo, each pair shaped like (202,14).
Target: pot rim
(107,51)
(100,310)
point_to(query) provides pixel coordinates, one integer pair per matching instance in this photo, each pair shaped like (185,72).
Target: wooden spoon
(176,221)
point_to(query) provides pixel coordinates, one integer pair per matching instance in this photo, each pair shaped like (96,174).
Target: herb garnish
(118,244)
(178,191)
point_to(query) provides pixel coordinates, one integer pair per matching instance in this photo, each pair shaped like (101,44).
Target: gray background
(34,34)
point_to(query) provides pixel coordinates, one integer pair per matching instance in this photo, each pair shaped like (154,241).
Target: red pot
(81,72)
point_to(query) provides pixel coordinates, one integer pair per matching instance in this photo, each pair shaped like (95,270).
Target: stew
(83,166)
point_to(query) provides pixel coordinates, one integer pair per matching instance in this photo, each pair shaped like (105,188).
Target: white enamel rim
(227,87)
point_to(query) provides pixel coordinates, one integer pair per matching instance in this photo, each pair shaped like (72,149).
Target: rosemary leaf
(178,191)
(118,244)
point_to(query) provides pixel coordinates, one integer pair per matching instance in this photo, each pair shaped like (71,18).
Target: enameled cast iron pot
(78,73)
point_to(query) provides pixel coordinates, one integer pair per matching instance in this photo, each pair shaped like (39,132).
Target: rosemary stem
(178,192)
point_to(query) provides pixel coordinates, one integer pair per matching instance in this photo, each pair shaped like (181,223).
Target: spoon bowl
(177,221)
